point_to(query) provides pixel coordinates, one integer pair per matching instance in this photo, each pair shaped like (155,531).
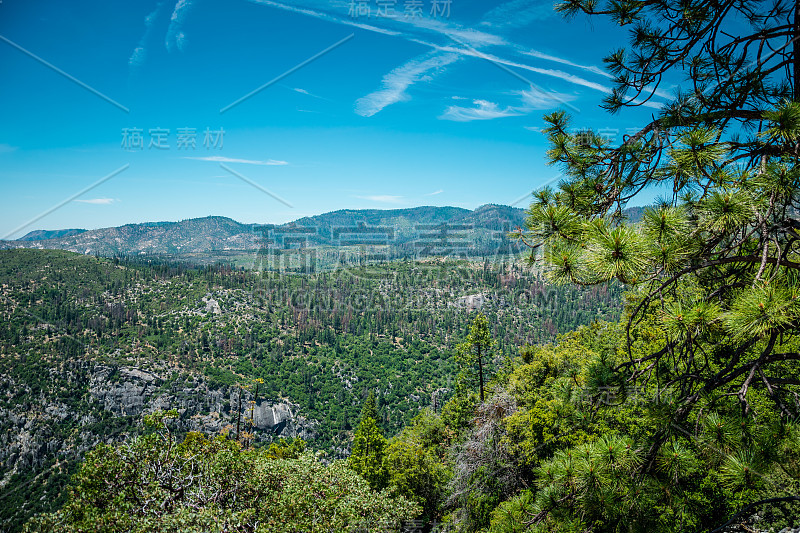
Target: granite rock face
(84,404)
(472,302)
(130,391)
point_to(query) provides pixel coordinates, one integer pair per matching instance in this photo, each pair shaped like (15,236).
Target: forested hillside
(89,344)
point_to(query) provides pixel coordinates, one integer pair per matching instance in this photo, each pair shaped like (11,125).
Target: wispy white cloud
(457,32)
(589,68)
(400,24)
(502,61)
(383,198)
(139,54)
(97,201)
(555,59)
(535,99)
(483,110)
(221,159)
(326,16)
(176,37)
(416,29)
(560,74)
(530,100)
(434,193)
(308,93)
(396,82)
(518,13)
(7,148)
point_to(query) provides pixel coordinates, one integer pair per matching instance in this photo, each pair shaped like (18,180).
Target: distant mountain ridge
(219,236)
(174,238)
(425,230)
(45,234)
(408,224)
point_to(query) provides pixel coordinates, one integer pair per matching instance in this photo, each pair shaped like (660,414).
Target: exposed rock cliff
(130,391)
(43,436)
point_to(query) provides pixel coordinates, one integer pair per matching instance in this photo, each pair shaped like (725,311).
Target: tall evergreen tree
(718,256)
(714,266)
(369,447)
(475,350)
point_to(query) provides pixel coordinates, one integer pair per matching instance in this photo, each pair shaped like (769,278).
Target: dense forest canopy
(76,331)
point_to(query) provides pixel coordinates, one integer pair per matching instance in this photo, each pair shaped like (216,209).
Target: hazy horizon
(247,222)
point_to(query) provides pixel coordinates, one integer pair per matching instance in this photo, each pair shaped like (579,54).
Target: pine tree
(474,351)
(714,266)
(369,446)
(717,259)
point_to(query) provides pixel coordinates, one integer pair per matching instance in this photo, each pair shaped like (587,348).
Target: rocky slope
(89,403)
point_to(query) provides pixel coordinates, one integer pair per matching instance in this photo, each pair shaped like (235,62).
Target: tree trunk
(480,364)
(796,52)
(253,409)
(239,416)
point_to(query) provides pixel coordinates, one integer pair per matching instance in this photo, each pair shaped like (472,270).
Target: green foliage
(719,255)
(459,411)
(370,410)
(369,448)
(546,386)
(284,449)
(512,516)
(586,456)
(474,353)
(312,338)
(417,463)
(157,420)
(153,483)
(710,330)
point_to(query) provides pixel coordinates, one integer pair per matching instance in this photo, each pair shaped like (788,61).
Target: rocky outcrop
(130,391)
(212,306)
(47,429)
(471,302)
(123,392)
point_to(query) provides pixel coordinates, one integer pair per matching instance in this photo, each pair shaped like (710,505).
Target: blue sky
(422,102)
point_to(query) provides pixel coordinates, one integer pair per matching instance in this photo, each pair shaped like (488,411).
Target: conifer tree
(369,446)
(474,351)
(717,258)
(714,265)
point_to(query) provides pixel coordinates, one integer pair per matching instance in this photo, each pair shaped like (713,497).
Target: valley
(90,344)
